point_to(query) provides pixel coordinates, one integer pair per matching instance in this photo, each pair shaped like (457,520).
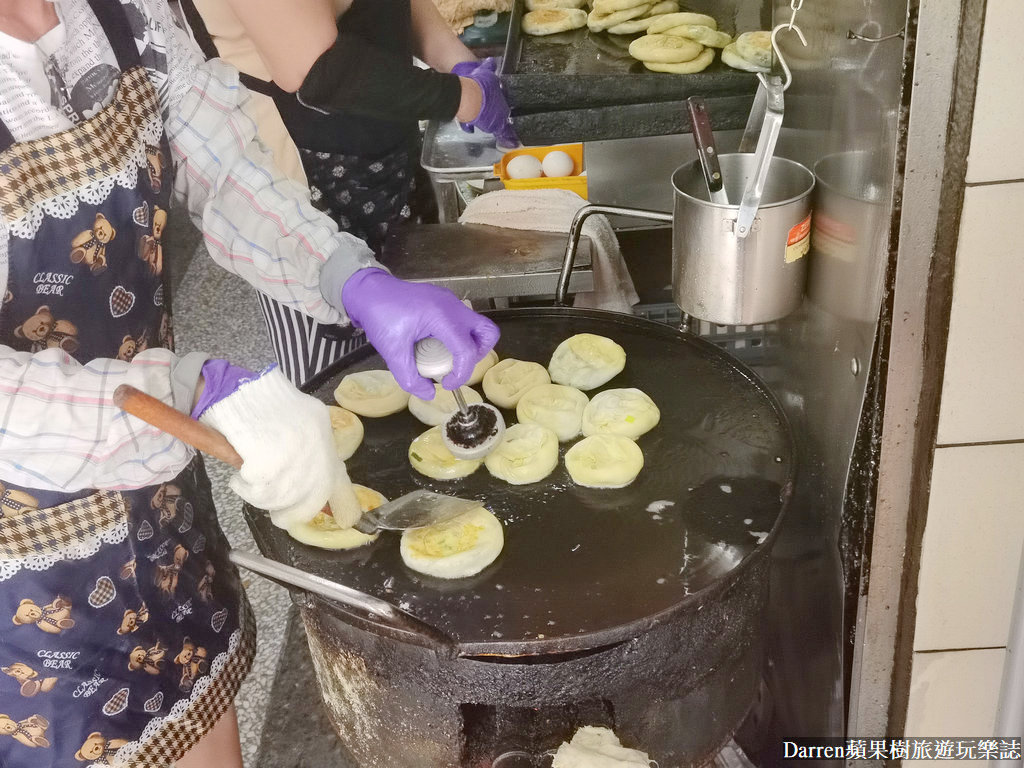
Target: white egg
(523,167)
(557,163)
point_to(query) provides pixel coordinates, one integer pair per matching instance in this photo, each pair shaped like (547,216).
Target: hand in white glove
(289,463)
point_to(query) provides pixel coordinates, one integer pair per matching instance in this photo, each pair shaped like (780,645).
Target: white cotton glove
(289,464)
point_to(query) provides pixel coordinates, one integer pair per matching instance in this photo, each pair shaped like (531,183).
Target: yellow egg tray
(577,184)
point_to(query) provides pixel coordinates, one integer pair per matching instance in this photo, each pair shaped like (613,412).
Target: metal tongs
(763,127)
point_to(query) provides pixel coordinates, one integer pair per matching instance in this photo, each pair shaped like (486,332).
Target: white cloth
(593,747)
(290,466)
(552,210)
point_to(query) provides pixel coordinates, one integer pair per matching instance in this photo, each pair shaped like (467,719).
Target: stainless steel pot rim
(826,183)
(695,166)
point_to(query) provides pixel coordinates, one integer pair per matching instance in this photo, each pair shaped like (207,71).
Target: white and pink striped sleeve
(60,430)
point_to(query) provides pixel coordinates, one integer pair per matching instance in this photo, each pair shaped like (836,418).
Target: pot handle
(379,610)
(576,229)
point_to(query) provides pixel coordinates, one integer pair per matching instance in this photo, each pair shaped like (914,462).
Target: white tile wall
(954,693)
(983,388)
(971,549)
(999,104)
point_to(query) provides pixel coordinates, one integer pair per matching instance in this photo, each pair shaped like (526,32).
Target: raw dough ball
(430,456)
(756,47)
(699,64)
(664,49)
(593,747)
(527,454)
(437,411)
(548,21)
(523,167)
(604,461)
(347,429)
(371,393)
(482,367)
(732,58)
(558,163)
(509,380)
(670,20)
(586,361)
(555,406)
(456,548)
(627,412)
(322,531)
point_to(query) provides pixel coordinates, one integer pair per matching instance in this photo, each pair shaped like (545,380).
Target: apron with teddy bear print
(124,631)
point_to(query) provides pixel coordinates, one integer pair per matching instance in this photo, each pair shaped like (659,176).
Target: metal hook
(778,53)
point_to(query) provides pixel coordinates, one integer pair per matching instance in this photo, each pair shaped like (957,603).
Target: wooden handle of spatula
(175,423)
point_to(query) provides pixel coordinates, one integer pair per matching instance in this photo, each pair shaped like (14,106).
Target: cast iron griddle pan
(583,567)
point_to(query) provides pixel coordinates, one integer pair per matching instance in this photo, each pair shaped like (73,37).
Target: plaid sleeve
(256,222)
(60,430)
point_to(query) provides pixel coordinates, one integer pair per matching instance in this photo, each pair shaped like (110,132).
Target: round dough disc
(481,368)
(371,393)
(670,20)
(540,5)
(550,21)
(598,22)
(702,62)
(605,7)
(604,461)
(630,27)
(662,8)
(322,531)
(664,49)
(437,411)
(712,38)
(627,412)
(509,380)
(347,429)
(430,456)
(555,406)
(456,548)
(756,47)
(527,454)
(586,361)
(732,58)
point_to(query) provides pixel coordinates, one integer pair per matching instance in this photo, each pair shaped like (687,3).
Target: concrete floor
(216,312)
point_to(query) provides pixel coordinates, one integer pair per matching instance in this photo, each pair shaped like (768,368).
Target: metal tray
(574,86)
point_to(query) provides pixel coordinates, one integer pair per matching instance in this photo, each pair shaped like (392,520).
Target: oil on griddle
(580,563)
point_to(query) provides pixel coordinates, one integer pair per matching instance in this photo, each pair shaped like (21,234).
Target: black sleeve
(356,76)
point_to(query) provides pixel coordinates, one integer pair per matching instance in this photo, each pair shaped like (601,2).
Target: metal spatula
(417,509)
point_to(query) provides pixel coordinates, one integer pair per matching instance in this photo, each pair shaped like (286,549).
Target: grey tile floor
(216,312)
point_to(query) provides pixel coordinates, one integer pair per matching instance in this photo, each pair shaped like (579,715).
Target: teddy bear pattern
(44,331)
(90,246)
(99,750)
(149,659)
(151,248)
(131,346)
(31,682)
(52,618)
(31,731)
(132,620)
(192,660)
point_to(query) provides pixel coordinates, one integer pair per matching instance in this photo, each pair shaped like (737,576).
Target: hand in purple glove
(494,116)
(396,314)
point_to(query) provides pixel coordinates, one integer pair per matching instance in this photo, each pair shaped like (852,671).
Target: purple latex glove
(396,314)
(221,379)
(494,117)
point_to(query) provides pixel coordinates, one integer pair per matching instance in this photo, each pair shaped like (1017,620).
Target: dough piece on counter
(604,7)
(662,8)
(712,38)
(540,5)
(586,361)
(526,454)
(553,20)
(510,379)
(555,406)
(699,64)
(631,27)
(481,368)
(456,548)
(323,531)
(604,461)
(593,747)
(670,20)
(598,22)
(627,412)
(430,456)
(437,411)
(347,429)
(371,393)
(664,49)
(756,47)
(731,57)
